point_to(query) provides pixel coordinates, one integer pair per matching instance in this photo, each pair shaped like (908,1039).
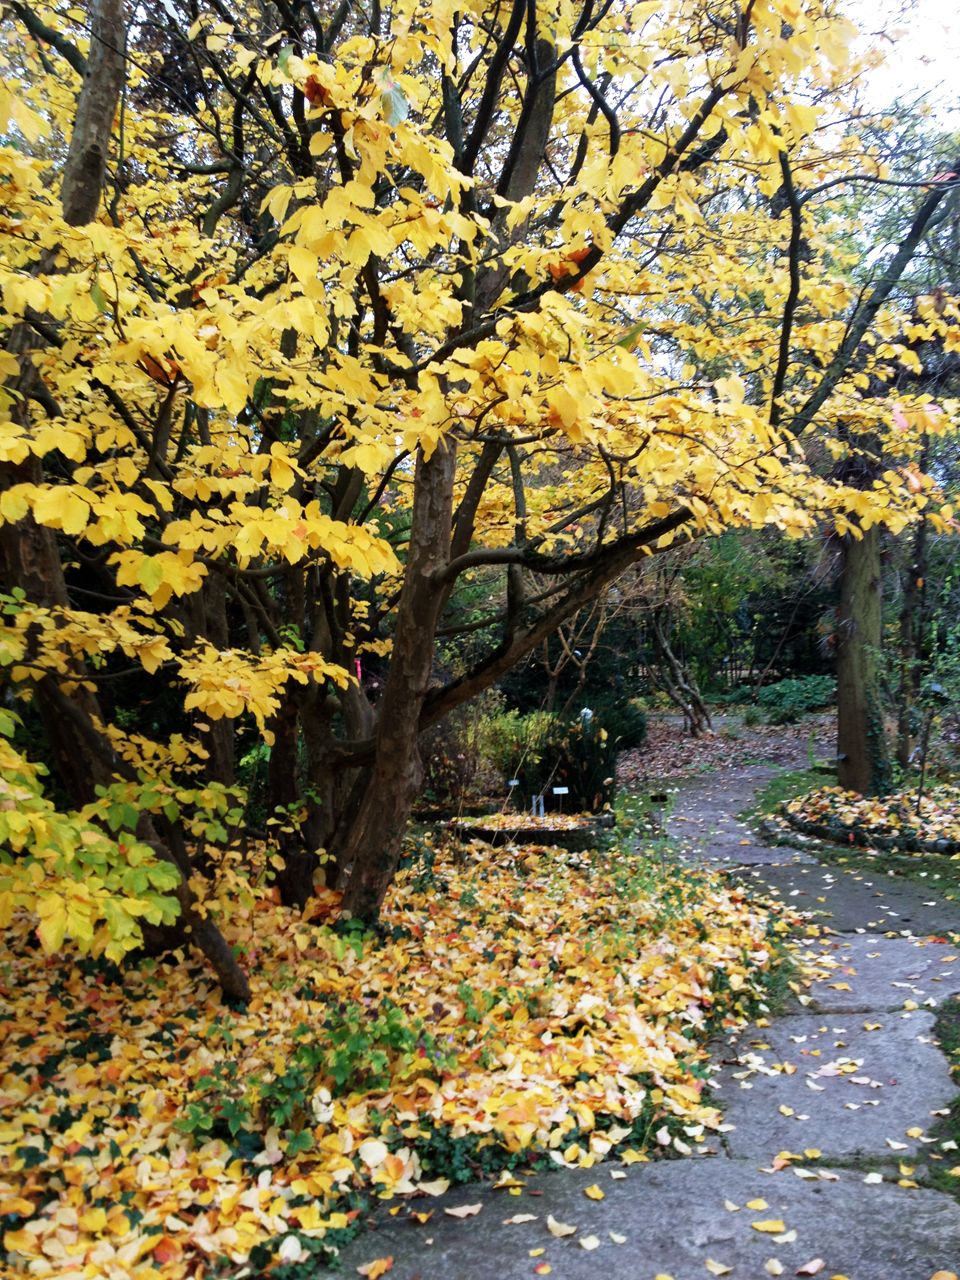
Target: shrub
(787,700)
(456,767)
(543,752)
(624,720)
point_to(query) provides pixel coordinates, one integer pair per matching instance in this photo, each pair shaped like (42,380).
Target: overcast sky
(926,57)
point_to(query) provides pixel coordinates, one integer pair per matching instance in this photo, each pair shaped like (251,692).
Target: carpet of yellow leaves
(894,819)
(601,978)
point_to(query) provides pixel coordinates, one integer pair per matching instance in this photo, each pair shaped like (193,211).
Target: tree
(380,297)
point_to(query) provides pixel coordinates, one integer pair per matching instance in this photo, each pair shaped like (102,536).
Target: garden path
(848,1079)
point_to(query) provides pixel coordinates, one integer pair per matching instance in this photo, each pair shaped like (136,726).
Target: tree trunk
(677,682)
(82,756)
(84,173)
(913,590)
(373,845)
(863,759)
(295,880)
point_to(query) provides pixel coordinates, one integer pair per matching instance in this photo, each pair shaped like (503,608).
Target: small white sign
(561,791)
(514,782)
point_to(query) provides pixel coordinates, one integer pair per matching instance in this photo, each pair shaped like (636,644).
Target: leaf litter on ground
(553,1009)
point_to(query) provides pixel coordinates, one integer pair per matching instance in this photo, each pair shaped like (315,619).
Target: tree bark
(863,758)
(373,846)
(678,683)
(85,171)
(911,630)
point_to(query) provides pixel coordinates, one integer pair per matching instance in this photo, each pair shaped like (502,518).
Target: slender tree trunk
(911,609)
(85,171)
(372,849)
(678,683)
(863,757)
(82,756)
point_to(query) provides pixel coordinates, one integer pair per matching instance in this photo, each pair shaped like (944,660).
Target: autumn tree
(377,297)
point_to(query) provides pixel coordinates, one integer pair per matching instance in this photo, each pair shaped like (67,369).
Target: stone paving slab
(853,1092)
(871,972)
(858,901)
(672,1217)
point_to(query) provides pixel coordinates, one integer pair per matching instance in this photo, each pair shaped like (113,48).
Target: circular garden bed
(890,823)
(570,831)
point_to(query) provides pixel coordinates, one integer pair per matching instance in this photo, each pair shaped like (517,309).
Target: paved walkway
(848,1080)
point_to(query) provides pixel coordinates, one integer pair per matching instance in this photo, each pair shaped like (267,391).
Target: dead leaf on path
(518,1218)
(559,1229)
(717,1268)
(811,1268)
(616,1237)
(759,1203)
(773,1267)
(379,1267)
(771,1226)
(464,1211)
(593,1192)
(438,1187)
(589,1242)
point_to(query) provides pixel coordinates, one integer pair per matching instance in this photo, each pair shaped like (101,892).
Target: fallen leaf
(167,1250)
(617,1238)
(542,1269)
(717,1268)
(771,1226)
(439,1187)
(759,1203)
(518,1218)
(464,1211)
(593,1192)
(811,1268)
(379,1267)
(589,1242)
(559,1229)
(773,1267)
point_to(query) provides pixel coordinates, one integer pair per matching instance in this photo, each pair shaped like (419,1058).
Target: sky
(926,55)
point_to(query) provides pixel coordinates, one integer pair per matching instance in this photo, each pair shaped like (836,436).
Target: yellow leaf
(379,1267)
(759,1203)
(771,1226)
(16,1205)
(93,1220)
(593,1192)
(717,1268)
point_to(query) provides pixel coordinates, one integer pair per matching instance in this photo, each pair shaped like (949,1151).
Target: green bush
(624,720)
(543,751)
(787,700)
(456,768)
